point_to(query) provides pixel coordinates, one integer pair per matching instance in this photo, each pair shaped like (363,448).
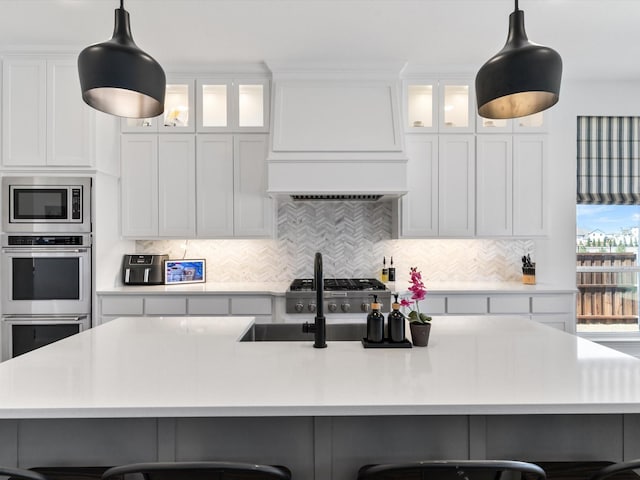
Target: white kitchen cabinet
(444,105)
(510,185)
(441,197)
(530,159)
(456,186)
(45,122)
(232,104)
(139,185)
(179,110)
(209,305)
(176,186)
(214,186)
(536,123)
(419,207)
(494,185)
(232,199)
(158,186)
(253,210)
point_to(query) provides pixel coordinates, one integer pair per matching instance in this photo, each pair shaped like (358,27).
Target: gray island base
(148,389)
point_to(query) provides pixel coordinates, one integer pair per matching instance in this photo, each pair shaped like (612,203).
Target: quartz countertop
(279,288)
(195,366)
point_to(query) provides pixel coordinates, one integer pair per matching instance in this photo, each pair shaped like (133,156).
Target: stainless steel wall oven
(46,289)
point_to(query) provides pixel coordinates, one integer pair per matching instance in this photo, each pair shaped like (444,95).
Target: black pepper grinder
(375,322)
(396,322)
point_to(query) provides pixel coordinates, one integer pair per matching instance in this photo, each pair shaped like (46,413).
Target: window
(608,224)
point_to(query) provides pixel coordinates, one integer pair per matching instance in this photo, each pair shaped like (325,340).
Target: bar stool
(200,471)
(452,470)
(620,469)
(19,473)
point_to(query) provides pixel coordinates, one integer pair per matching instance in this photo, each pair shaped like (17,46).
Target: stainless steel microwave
(46,204)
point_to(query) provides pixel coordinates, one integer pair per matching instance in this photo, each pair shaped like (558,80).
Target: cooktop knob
(312,307)
(364,307)
(345,307)
(299,307)
(333,307)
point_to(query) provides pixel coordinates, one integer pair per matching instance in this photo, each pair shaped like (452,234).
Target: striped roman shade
(609,160)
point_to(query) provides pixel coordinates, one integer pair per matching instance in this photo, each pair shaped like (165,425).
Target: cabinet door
(251,105)
(253,211)
(494,185)
(70,121)
(529,185)
(176,186)
(215,106)
(24,119)
(421,101)
(179,106)
(139,184)
(419,207)
(214,186)
(456,106)
(456,185)
(536,123)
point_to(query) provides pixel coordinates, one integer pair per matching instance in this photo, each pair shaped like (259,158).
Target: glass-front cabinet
(422,108)
(179,108)
(233,105)
(536,123)
(444,106)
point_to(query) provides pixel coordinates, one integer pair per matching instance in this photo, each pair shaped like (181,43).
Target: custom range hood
(336,133)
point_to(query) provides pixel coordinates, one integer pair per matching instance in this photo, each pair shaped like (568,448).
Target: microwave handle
(146,275)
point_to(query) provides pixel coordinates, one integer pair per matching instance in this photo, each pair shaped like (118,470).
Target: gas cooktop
(341,295)
(338,284)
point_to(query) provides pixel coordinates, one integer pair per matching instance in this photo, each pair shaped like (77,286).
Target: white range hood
(336,133)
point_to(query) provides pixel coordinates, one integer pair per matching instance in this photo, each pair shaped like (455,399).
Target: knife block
(529,275)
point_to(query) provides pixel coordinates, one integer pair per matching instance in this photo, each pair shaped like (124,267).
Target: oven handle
(46,319)
(45,250)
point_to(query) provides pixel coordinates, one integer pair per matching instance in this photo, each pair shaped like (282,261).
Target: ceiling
(596,38)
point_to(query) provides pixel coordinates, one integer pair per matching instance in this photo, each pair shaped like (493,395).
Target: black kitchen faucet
(319,327)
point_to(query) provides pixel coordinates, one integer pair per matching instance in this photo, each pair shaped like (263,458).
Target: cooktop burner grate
(338,284)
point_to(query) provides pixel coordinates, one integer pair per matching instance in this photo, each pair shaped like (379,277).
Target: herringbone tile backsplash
(353,237)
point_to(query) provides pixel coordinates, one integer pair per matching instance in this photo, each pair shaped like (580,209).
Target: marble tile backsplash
(353,238)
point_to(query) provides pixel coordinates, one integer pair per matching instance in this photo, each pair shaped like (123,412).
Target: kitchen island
(184,388)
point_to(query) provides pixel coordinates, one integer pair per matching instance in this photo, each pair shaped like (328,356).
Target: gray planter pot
(420,334)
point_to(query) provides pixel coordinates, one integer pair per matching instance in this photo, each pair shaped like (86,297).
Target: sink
(292,332)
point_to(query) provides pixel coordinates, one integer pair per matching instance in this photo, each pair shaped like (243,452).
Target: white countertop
(181,367)
(279,288)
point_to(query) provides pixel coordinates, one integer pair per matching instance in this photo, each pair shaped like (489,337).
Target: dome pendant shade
(118,78)
(521,79)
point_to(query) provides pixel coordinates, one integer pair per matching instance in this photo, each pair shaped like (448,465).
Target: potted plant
(419,323)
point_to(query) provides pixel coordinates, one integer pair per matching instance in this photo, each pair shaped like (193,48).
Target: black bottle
(392,272)
(375,322)
(396,322)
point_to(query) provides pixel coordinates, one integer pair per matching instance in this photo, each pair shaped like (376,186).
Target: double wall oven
(46,261)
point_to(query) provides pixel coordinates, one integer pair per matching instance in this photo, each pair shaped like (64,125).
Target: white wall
(556,254)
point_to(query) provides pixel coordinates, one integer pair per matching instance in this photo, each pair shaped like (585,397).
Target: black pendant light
(117,77)
(521,79)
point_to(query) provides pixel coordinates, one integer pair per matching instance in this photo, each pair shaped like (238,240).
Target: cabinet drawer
(206,305)
(467,304)
(121,305)
(251,305)
(552,303)
(165,306)
(509,304)
(433,305)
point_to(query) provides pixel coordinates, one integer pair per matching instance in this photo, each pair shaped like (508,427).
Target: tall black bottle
(375,322)
(396,322)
